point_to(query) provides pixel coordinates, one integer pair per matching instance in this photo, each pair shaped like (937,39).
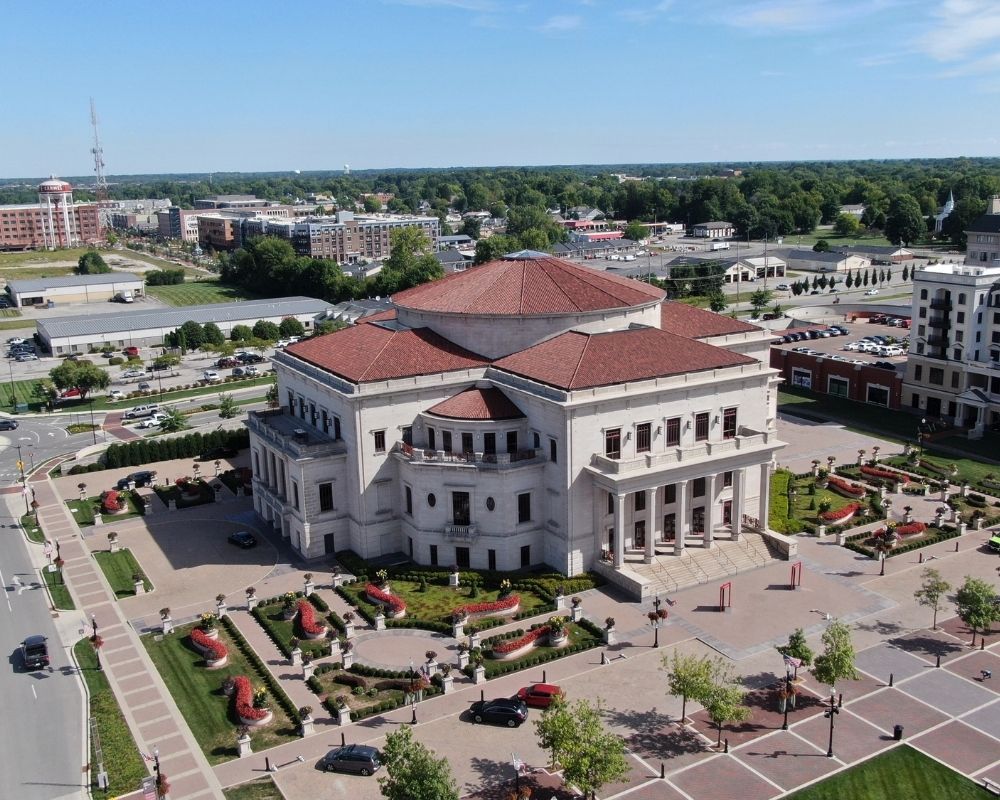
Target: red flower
(307,619)
(110,501)
(244,700)
(510,645)
(379,596)
(840,513)
(215,649)
(911,528)
(507,603)
(845,487)
(882,473)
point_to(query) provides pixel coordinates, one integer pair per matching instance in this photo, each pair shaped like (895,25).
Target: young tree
(723,700)
(80,375)
(556,729)
(931,591)
(837,660)
(91,263)
(688,676)
(595,757)
(166,362)
(228,407)
(175,421)
(846,225)
(888,275)
(833,282)
(815,282)
(906,272)
(978,605)
(821,246)
(759,300)
(268,331)
(797,647)
(717,301)
(849,282)
(412,771)
(864,278)
(636,231)
(290,326)
(240,333)
(212,335)
(823,281)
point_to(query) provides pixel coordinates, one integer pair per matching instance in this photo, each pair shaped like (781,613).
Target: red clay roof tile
(697,323)
(578,360)
(476,403)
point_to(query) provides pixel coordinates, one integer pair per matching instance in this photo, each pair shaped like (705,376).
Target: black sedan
(145,477)
(8,424)
(243,539)
(508,711)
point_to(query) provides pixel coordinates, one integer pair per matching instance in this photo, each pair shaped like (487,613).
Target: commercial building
(148,326)
(185,223)
(983,237)
(812,261)
(714,230)
(865,383)
(54,221)
(525,411)
(73,289)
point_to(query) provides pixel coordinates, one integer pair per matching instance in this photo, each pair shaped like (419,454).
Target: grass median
(57,589)
(119,568)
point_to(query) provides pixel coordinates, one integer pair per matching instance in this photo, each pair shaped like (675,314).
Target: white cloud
(561,23)
(647,13)
(960,28)
(465,5)
(776,16)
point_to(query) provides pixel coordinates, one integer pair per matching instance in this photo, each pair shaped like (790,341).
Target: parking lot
(833,346)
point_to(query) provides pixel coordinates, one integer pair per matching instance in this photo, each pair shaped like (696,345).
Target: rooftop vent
(301,435)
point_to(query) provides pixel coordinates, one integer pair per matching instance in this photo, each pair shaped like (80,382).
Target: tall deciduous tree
(978,606)
(847,225)
(797,647)
(759,300)
(688,676)
(555,729)
(80,375)
(723,700)
(837,660)
(266,330)
(413,772)
(91,263)
(636,231)
(212,335)
(933,588)
(904,223)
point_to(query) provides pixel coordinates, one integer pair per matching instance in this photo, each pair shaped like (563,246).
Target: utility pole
(100,182)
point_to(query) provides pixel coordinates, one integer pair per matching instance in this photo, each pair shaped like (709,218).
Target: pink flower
(507,603)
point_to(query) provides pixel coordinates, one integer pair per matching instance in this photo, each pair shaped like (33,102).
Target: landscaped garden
(119,752)
(292,621)
(365,692)
(222,697)
(259,789)
(801,503)
(112,505)
(893,540)
(122,569)
(186,492)
(901,772)
(237,478)
(520,649)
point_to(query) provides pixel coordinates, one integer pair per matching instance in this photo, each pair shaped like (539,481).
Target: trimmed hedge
(356,676)
(145,451)
(283,646)
(331,616)
(497,668)
(272,685)
(854,542)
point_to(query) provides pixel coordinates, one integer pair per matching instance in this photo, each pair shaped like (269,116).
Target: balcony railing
(465,532)
(480,460)
(939,322)
(292,436)
(748,440)
(937,341)
(941,305)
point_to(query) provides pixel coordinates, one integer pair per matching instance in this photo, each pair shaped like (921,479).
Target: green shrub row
(145,451)
(265,675)
(946,532)
(389,704)
(497,668)
(285,648)
(332,617)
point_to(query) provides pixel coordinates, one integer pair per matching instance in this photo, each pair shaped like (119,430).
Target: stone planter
(348,630)
(474,639)
(258,723)
(432,668)
(962,528)
(307,670)
(220,610)
(559,640)
(348,659)
(217,663)
(306,726)
(318,634)
(944,495)
(297,657)
(288,614)
(965,490)
(166,625)
(308,587)
(609,636)
(338,581)
(139,587)
(576,613)
(821,530)
(841,538)
(479,674)
(453,579)
(212,633)
(343,716)
(979,523)
(560,602)
(927,491)
(244,744)
(98,519)
(114,546)
(463,659)
(147,504)
(253,602)
(380,621)
(447,684)
(457,630)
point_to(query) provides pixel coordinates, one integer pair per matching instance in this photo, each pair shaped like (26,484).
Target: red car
(131,351)
(539,695)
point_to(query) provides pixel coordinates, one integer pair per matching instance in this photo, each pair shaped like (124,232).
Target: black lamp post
(156,766)
(830,713)
(788,695)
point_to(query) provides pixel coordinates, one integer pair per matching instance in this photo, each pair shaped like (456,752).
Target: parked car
(210,375)
(26,357)
(511,712)
(219,452)
(249,358)
(871,292)
(853,346)
(116,394)
(141,411)
(35,652)
(144,387)
(144,477)
(539,695)
(153,421)
(243,539)
(133,373)
(784,287)
(16,340)
(131,351)
(227,361)
(8,424)
(361,759)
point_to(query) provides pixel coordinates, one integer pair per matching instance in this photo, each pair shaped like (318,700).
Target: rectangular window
(839,387)
(431,439)
(729,423)
(611,503)
(553,451)
(879,395)
(954,380)
(491,560)
(326,497)
(674,432)
(727,479)
(613,443)
(462,557)
(640,500)
(460,508)
(295,495)
(408,435)
(670,493)
(408,500)
(511,442)
(524,507)
(959,317)
(918,372)
(698,487)
(959,336)
(336,428)
(935,375)
(302,408)
(446,441)
(291,402)
(326,420)
(467,446)
(526,555)
(643,437)
(701,427)
(490,443)
(434,555)
(383,498)
(379,441)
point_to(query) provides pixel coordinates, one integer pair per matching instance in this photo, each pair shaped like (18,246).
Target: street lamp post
(830,713)
(156,766)
(24,481)
(788,693)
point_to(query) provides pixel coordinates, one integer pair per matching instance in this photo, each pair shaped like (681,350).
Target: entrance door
(933,406)
(328,547)
(727,512)
(491,558)
(698,520)
(640,534)
(462,557)
(611,540)
(669,527)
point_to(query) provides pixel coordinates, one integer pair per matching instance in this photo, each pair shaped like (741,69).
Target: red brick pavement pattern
(542,785)
(764,719)
(653,790)
(638,774)
(113,425)
(787,760)
(972,665)
(930,644)
(892,707)
(959,746)
(958,629)
(675,746)
(723,777)
(851,690)
(993,773)
(853,738)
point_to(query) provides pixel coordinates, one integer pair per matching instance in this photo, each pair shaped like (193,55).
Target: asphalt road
(42,754)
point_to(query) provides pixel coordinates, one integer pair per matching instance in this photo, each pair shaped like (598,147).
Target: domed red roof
(527,283)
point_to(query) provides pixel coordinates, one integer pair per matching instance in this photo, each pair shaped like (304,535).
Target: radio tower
(103,204)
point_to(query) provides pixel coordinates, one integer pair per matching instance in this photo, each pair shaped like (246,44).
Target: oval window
(431,500)
(490,503)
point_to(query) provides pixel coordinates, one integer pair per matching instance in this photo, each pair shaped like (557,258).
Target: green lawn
(809,239)
(197,293)
(578,635)
(859,417)
(260,789)
(122,761)
(83,510)
(282,630)
(16,324)
(900,773)
(33,531)
(10,261)
(968,469)
(10,313)
(118,569)
(58,590)
(196,690)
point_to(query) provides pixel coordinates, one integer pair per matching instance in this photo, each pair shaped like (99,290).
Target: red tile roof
(378,316)
(372,352)
(475,403)
(578,360)
(697,323)
(527,283)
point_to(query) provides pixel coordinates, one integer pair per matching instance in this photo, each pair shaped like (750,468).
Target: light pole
(24,481)
(788,695)
(830,713)
(156,766)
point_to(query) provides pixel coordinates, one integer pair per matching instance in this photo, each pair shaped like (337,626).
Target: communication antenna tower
(101,183)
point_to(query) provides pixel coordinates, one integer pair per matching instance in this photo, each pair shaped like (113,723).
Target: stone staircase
(669,573)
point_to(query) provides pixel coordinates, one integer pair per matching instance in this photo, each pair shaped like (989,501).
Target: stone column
(709,512)
(681,522)
(652,512)
(619,558)
(737,522)
(764,503)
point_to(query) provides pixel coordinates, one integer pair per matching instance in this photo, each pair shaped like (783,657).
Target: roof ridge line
(381,350)
(583,352)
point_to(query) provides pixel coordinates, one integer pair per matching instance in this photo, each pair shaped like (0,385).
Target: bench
(992,787)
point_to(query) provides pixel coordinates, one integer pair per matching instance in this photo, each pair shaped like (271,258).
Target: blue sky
(244,86)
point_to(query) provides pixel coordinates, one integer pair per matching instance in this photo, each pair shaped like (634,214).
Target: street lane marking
(33,691)
(6,594)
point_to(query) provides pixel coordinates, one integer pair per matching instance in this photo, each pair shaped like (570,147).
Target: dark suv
(143,478)
(357,758)
(35,652)
(8,424)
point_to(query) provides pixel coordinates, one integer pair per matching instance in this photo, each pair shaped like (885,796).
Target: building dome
(54,186)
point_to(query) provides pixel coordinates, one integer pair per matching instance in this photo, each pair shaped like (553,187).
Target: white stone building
(525,411)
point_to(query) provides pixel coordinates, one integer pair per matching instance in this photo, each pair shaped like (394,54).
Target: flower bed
(511,648)
(888,474)
(215,652)
(910,528)
(846,488)
(307,621)
(112,503)
(396,606)
(581,635)
(841,515)
(245,709)
(501,607)
(859,543)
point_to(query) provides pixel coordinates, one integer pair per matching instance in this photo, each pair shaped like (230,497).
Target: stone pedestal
(140,587)
(944,495)
(965,490)
(907,517)
(453,579)
(166,625)
(474,639)
(221,609)
(338,581)
(457,630)
(938,519)
(815,470)
(479,674)
(953,517)
(297,657)
(447,684)
(307,670)
(576,613)
(609,636)
(308,588)
(343,716)
(560,602)
(147,506)
(348,658)
(841,538)
(306,726)
(380,621)
(244,745)
(962,528)
(821,530)
(253,602)
(463,659)
(98,519)
(927,490)
(348,630)
(431,668)
(114,546)
(979,523)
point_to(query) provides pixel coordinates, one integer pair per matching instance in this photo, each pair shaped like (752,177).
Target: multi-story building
(525,411)
(55,221)
(953,368)
(231,201)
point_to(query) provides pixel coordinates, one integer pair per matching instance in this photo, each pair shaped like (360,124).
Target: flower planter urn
(244,744)
(296,656)
(560,602)
(288,613)
(609,635)
(380,621)
(308,668)
(576,613)
(308,587)
(821,530)
(348,659)
(479,674)
(447,684)
(98,519)
(306,726)
(458,630)
(114,546)
(474,638)
(252,602)
(463,659)
(140,587)
(938,519)
(343,716)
